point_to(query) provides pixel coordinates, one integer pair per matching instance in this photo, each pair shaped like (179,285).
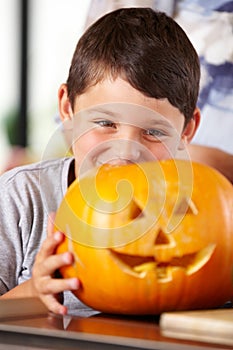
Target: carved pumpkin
(151,237)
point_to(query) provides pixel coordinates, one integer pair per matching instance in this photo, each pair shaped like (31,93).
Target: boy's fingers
(50,228)
(53,305)
(50,244)
(53,263)
(50,289)
(55,286)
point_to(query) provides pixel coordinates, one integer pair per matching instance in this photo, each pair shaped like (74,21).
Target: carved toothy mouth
(140,266)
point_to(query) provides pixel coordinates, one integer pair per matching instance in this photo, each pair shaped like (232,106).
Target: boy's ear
(190,129)
(64,104)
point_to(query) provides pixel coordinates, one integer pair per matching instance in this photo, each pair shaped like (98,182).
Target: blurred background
(38,38)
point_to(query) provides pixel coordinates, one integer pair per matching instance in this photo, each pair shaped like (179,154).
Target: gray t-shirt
(27,195)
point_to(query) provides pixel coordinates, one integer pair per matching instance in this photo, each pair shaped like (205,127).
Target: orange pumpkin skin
(182,255)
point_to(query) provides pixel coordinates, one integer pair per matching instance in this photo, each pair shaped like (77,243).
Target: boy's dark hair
(146,48)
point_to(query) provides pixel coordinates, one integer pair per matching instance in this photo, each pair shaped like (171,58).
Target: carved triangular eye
(135,211)
(161,238)
(186,206)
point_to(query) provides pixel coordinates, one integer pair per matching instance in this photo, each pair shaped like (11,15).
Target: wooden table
(49,331)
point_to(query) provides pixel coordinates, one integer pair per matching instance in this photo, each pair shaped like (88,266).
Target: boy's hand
(47,287)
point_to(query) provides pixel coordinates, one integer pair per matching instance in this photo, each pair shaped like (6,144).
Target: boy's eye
(106,123)
(154,133)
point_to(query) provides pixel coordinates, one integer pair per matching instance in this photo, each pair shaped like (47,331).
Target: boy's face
(114,123)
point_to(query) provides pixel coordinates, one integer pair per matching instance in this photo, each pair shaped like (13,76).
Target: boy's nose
(127,143)
(128,150)
(129,147)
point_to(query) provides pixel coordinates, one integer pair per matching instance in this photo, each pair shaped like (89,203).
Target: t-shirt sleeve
(21,229)
(11,250)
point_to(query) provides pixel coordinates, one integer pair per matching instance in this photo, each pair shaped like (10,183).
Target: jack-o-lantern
(150,237)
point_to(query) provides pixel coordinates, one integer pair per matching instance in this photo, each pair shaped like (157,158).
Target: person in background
(209,27)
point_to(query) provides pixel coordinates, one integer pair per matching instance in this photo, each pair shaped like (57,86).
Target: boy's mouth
(115,162)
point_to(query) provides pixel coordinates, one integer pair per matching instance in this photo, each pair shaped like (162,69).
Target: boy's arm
(23,290)
(214,157)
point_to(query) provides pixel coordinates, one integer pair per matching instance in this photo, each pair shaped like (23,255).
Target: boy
(130,96)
